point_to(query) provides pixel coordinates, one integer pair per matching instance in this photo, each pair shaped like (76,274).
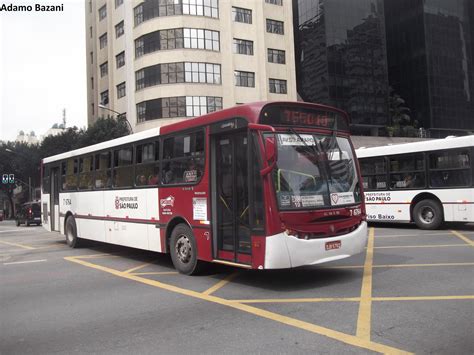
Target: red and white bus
(266,185)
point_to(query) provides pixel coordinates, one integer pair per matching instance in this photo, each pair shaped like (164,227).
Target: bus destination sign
(301,116)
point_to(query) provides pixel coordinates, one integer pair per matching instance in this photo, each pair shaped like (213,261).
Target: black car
(29,213)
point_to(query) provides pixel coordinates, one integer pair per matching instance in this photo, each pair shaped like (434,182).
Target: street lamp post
(118,115)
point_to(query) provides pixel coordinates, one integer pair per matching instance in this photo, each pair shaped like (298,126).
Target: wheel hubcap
(427,214)
(183,249)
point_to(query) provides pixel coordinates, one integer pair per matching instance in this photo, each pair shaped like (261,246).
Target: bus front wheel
(428,214)
(183,250)
(71,233)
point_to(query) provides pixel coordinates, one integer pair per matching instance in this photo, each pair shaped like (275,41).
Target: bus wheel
(71,233)
(184,250)
(428,214)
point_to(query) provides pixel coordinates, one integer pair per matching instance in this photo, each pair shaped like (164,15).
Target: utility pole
(64,117)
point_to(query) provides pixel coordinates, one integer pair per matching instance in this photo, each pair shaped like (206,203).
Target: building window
(104,69)
(181,106)
(244,78)
(170,73)
(119,29)
(102,12)
(92,82)
(121,90)
(118,3)
(120,59)
(274,2)
(90,30)
(202,73)
(177,38)
(92,57)
(158,8)
(278,86)
(276,56)
(209,8)
(241,15)
(93,109)
(103,40)
(241,46)
(201,39)
(90,5)
(104,97)
(274,26)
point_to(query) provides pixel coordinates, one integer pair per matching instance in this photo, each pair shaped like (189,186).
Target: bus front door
(54,200)
(231,198)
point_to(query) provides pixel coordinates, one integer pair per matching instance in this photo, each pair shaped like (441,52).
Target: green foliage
(24,160)
(401,123)
(104,129)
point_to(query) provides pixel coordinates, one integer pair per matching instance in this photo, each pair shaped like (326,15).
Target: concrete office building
(159,61)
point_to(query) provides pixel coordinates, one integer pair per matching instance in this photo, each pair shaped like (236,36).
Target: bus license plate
(333,245)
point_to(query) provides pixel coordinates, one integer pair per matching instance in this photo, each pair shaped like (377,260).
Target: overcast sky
(42,68)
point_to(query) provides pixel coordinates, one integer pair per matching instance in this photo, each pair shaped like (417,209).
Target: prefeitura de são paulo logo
(126,202)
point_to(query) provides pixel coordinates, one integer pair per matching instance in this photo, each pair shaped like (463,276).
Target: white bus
(428,182)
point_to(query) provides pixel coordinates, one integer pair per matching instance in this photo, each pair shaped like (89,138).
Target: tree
(104,129)
(400,120)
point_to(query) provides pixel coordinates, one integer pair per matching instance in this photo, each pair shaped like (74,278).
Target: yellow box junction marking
(156,273)
(466,239)
(397,265)
(23,246)
(221,283)
(139,267)
(365,306)
(356,299)
(422,246)
(313,328)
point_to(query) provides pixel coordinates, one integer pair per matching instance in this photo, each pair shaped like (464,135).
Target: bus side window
(103,178)
(123,175)
(450,168)
(86,173)
(69,169)
(146,168)
(46,179)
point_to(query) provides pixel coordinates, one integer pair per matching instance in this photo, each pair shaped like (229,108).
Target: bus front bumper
(284,251)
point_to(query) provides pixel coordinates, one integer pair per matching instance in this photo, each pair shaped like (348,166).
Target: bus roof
(435,144)
(250,112)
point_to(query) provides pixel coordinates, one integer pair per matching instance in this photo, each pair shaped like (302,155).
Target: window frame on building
(280,86)
(119,29)
(103,12)
(104,69)
(244,78)
(242,15)
(242,46)
(103,41)
(121,90)
(275,26)
(120,59)
(277,54)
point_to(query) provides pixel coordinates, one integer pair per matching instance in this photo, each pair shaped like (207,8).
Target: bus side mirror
(268,146)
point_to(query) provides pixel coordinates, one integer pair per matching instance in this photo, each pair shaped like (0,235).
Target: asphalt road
(412,291)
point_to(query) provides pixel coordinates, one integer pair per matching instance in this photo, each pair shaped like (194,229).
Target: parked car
(29,213)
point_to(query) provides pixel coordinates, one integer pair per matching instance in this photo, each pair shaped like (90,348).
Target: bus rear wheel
(71,233)
(428,214)
(183,250)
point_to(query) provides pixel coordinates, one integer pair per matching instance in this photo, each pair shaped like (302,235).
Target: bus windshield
(315,171)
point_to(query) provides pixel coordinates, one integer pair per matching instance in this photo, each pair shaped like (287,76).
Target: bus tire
(428,214)
(183,250)
(71,233)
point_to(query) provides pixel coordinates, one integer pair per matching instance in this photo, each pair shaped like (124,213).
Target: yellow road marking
(316,329)
(356,299)
(93,256)
(138,267)
(299,300)
(397,265)
(365,306)
(459,235)
(422,246)
(18,245)
(156,273)
(424,298)
(221,283)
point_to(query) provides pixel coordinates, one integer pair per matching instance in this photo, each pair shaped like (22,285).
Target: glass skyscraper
(341,58)
(430,57)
